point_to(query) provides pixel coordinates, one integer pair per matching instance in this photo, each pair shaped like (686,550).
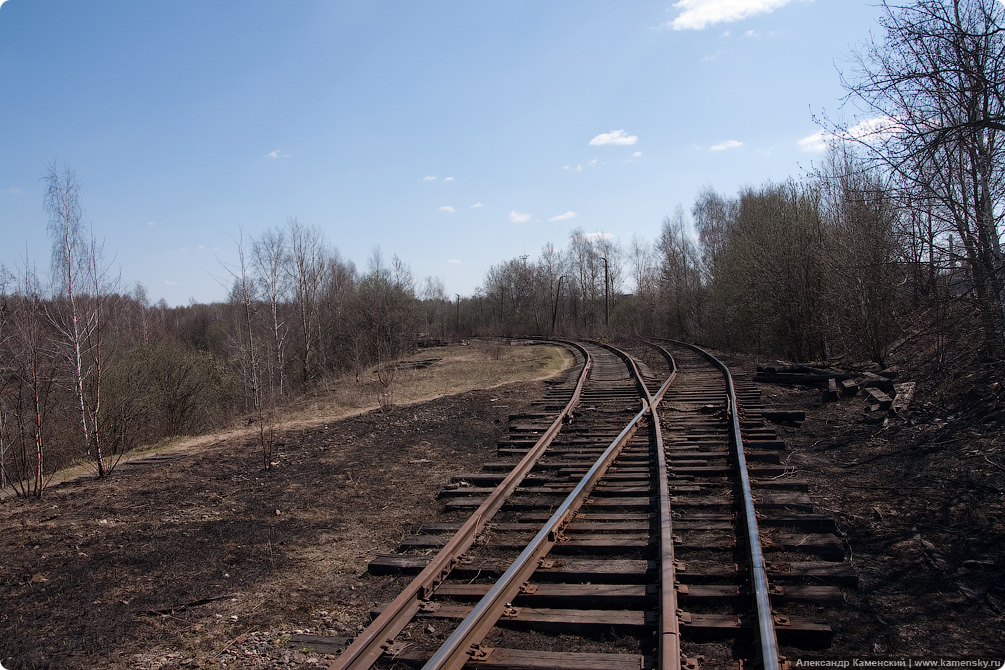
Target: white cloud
(563,217)
(277,154)
(875,129)
(170,283)
(637,154)
(476,205)
(151,223)
(448,208)
(448,179)
(700,14)
(429,177)
(728,144)
(818,141)
(518,217)
(13,190)
(614,137)
(454,261)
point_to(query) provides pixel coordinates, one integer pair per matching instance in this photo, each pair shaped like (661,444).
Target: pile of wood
(882,393)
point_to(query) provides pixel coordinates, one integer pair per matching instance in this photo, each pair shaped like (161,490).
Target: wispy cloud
(277,154)
(476,205)
(454,261)
(815,142)
(519,217)
(448,208)
(700,14)
(875,129)
(429,177)
(13,190)
(151,223)
(563,217)
(614,137)
(728,144)
(170,283)
(593,236)
(448,179)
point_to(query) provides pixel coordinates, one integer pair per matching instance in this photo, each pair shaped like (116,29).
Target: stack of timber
(879,389)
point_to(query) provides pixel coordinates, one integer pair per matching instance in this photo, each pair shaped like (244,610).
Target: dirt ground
(919,500)
(200,558)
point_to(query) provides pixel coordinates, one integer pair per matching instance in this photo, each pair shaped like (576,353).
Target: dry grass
(480,364)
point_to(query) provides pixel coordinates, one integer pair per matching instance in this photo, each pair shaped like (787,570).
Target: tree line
(896,233)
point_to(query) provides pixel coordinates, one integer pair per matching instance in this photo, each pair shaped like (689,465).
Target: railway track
(618,530)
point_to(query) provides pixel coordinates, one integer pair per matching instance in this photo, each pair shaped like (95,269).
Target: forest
(894,237)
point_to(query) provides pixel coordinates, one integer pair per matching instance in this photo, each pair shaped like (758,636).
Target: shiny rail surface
(380,634)
(623,534)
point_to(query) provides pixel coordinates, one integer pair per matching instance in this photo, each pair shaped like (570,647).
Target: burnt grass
(184,561)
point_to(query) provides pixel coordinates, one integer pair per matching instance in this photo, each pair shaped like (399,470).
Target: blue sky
(454,134)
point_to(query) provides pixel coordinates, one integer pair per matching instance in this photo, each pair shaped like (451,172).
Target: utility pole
(554,313)
(607,296)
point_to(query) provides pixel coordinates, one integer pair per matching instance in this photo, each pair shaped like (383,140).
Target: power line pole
(607,296)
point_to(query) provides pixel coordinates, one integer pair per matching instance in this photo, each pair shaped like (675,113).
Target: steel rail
(369,645)
(670,656)
(462,643)
(758,573)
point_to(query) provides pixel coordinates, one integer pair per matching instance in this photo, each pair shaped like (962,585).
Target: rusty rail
(670,656)
(374,640)
(767,638)
(464,641)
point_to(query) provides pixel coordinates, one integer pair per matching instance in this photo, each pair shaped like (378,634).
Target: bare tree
(29,401)
(305,269)
(863,254)
(714,218)
(680,275)
(269,257)
(81,285)
(936,89)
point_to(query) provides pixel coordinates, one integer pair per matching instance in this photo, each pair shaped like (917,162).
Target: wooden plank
(831,393)
(905,394)
(804,632)
(881,398)
(871,380)
(826,572)
(551,619)
(558,595)
(533,659)
(573,543)
(849,387)
(527,659)
(322,644)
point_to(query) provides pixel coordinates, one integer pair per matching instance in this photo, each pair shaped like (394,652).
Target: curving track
(615,533)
